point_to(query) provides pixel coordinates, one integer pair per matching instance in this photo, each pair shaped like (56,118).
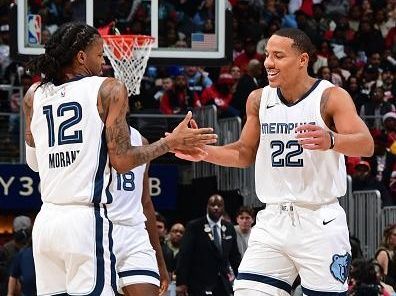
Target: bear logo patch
(339,268)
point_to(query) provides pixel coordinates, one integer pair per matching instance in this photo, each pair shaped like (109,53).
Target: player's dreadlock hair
(301,41)
(60,50)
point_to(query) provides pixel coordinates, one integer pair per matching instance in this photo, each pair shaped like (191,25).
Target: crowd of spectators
(355,48)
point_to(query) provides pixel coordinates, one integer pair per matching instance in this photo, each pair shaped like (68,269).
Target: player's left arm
(149,212)
(351,135)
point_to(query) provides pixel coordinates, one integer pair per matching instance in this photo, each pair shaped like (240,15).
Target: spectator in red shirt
(220,95)
(179,99)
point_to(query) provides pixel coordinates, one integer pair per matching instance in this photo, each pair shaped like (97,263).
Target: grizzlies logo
(339,268)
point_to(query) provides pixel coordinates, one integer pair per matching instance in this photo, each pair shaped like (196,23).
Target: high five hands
(190,139)
(195,151)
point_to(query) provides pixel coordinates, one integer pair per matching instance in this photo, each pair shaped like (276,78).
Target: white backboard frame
(156,53)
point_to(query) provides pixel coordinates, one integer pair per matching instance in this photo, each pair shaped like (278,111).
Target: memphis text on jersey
(62,159)
(281,127)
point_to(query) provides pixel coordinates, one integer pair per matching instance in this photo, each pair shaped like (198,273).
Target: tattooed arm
(351,135)
(113,106)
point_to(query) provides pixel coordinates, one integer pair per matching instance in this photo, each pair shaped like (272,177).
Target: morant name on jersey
(281,127)
(62,159)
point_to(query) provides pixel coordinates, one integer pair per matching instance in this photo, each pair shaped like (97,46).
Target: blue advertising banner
(163,186)
(20,187)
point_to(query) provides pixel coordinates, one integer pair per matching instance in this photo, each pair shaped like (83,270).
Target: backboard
(186,31)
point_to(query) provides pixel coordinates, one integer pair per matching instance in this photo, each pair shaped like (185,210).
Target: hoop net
(128,55)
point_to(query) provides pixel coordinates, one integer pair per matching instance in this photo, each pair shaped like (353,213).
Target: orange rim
(140,39)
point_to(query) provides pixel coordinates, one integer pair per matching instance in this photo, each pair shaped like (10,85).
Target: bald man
(208,256)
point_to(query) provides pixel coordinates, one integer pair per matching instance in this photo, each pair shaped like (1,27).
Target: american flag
(203,41)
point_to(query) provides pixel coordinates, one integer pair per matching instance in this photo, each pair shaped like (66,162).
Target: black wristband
(332,139)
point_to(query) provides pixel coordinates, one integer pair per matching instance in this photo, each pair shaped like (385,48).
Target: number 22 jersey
(284,171)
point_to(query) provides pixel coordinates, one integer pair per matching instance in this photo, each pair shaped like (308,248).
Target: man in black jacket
(208,256)
(246,84)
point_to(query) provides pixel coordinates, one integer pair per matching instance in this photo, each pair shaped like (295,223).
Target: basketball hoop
(128,55)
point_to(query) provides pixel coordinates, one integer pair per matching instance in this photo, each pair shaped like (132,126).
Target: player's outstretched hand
(313,137)
(196,154)
(164,281)
(184,138)
(193,154)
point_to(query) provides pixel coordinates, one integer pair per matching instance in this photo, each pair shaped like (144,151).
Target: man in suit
(208,256)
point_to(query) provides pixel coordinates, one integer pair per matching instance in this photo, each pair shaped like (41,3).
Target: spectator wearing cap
(249,54)
(362,179)
(197,79)
(22,226)
(220,95)
(179,99)
(389,122)
(370,77)
(373,110)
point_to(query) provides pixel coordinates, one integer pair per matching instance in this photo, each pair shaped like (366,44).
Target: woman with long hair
(385,255)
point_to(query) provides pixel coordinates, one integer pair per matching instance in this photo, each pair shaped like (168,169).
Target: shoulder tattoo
(324,112)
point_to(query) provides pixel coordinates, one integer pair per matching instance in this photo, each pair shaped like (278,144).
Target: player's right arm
(241,153)
(27,106)
(113,99)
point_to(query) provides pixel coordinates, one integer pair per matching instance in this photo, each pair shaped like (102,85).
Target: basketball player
(140,265)
(75,131)
(297,132)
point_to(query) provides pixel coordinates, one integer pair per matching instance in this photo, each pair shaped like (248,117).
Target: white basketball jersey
(70,142)
(127,190)
(285,172)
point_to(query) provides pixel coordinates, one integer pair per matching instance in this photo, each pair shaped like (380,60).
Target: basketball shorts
(136,261)
(288,240)
(72,250)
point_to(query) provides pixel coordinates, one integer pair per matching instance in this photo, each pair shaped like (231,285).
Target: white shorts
(289,240)
(72,250)
(136,261)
